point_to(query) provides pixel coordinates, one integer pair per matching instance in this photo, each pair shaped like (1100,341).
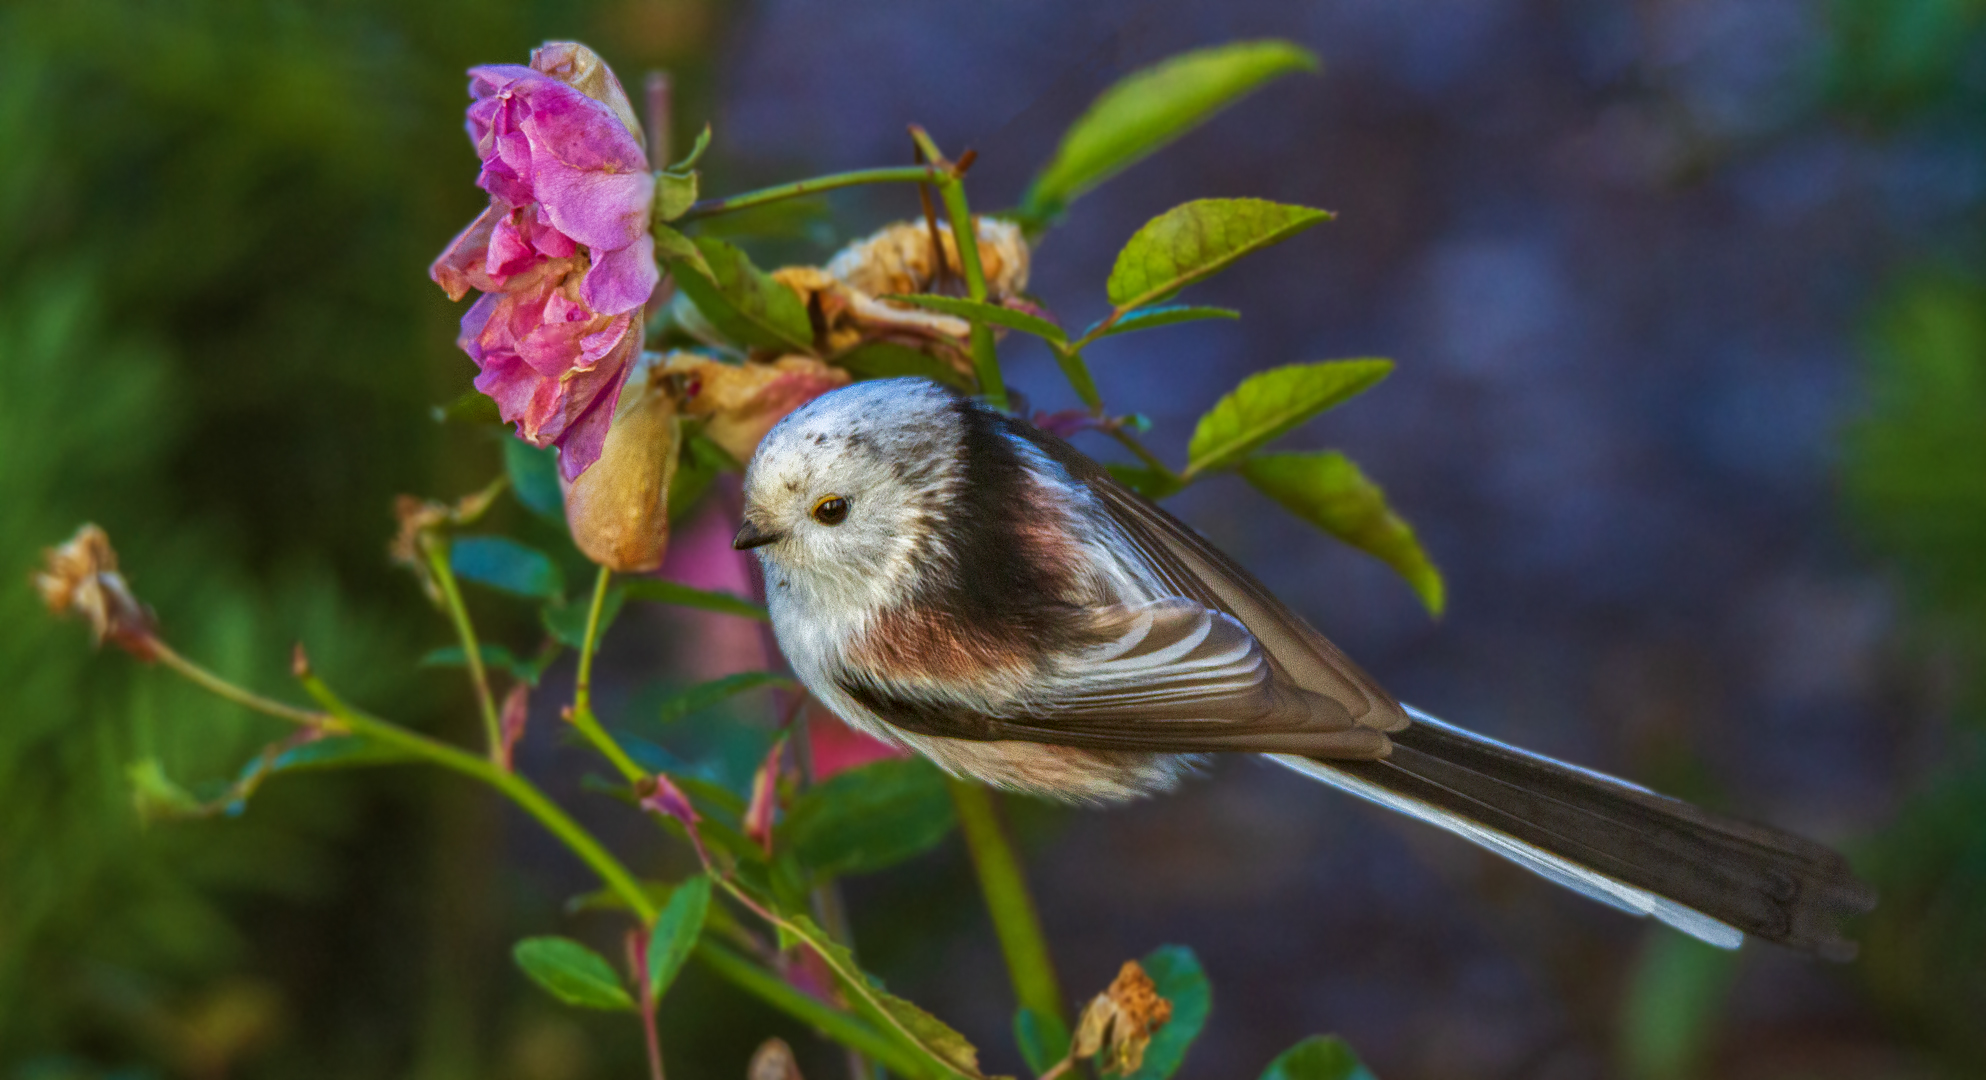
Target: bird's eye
(831,510)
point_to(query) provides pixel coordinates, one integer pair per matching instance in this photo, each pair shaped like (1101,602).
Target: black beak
(750,536)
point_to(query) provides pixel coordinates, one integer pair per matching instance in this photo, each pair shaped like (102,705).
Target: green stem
(1132,444)
(582,694)
(848,1030)
(1007,900)
(1070,359)
(914,174)
(519,790)
(436,550)
(951,186)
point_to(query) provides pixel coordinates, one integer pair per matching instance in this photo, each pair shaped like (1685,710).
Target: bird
(959,583)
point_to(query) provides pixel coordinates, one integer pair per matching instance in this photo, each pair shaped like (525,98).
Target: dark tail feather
(1707,875)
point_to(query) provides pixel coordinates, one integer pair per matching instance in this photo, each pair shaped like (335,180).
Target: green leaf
(658,591)
(700,463)
(496,657)
(675,193)
(928,1033)
(1043,1039)
(1326,489)
(868,818)
(502,563)
(672,246)
(572,973)
(1149,482)
(981,311)
(743,302)
(1148,318)
(157,797)
(696,152)
(339,752)
(886,360)
(706,694)
(1268,404)
(675,933)
(1150,108)
(567,622)
(534,479)
(1197,240)
(473,407)
(1320,1057)
(1176,973)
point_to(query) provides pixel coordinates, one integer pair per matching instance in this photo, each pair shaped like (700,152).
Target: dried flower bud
(618,510)
(516,712)
(1119,1023)
(773,1061)
(741,402)
(80,578)
(898,259)
(765,798)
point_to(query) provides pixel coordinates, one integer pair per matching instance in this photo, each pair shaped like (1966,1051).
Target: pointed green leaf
(157,797)
(658,591)
(673,247)
(887,360)
(868,818)
(928,1033)
(696,152)
(495,657)
(981,311)
(572,973)
(1149,482)
(1268,404)
(706,694)
(676,932)
(1320,1057)
(1149,109)
(743,302)
(1176,973)
(1328,490)
(502,563)
(1197,240)
(534,479)
(567,622)
(1147,318)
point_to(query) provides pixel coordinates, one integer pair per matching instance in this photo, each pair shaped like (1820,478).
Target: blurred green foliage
(215,340)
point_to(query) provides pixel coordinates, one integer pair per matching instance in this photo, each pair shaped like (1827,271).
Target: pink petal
(621,279)
(460,266)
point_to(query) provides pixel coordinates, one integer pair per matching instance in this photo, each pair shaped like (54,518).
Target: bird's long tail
(1712,877)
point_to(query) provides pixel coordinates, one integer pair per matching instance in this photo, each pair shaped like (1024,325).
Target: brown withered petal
(898,259)
(773,1061)
(741,402)
(80,578)
(516,711)
(618,510)
(1119,1023)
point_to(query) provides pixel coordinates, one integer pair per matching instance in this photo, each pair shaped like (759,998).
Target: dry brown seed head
(80,578)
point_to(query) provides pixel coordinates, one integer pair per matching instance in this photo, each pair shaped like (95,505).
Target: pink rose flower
(562,255)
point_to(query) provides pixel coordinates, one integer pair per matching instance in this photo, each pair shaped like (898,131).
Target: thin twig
(436,549)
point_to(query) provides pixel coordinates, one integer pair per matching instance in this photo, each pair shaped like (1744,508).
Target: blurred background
(1691,408)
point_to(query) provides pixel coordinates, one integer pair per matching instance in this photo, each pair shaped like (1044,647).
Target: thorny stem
(914,174)
(843,1027)
(581,713)
(519,790)
(1007,899)
(436,549)
(951,187)
(242,696)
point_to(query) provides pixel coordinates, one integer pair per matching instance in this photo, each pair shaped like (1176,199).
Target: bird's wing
(1191,567)
(1172,676)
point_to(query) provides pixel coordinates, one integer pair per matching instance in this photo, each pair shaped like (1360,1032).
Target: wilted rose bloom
(898,259)
(618,511)
(562,255)
(80,578)
(741,402)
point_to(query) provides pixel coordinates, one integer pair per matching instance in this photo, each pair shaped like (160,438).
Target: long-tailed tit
(956,581)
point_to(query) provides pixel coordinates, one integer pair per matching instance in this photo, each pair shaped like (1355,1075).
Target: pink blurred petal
(839,748)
